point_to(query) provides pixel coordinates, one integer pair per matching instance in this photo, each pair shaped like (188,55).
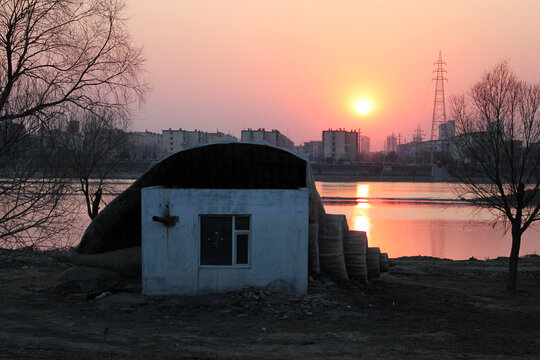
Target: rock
(102,295)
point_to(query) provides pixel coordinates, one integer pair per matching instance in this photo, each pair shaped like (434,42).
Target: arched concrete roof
(230,165)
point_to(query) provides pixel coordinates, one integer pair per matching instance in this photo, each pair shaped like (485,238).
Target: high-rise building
(340,145)
(273,137)
(314,149)
(447,130)
(391,144)
(176,140)
(144,146)
(364,144)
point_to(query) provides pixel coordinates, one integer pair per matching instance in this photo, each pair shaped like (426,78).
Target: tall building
(364,144)
(447,130)
(143,146)
(176,140)
(340,145)
(273,137)
(391,144)
(314,149)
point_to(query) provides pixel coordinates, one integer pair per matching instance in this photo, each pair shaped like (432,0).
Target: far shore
(124,175)
(381,178)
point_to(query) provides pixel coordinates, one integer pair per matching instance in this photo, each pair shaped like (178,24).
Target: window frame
(234,233)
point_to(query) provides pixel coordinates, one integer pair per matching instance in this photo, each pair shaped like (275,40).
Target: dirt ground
(424,308)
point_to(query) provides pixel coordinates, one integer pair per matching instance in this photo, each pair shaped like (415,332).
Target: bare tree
(56,56)
(496,153)
(89,145)
(31,187)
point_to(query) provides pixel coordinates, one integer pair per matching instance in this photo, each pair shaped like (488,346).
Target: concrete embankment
(379,172)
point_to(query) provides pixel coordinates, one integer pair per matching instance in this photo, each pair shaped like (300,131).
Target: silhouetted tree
(31,186)
(55,56)
(496,155)
(91,154)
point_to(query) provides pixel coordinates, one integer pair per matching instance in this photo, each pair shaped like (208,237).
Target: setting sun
(362,107)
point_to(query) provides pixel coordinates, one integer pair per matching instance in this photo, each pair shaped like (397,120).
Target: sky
(300,66)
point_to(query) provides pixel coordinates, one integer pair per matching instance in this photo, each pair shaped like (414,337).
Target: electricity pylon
(439,106)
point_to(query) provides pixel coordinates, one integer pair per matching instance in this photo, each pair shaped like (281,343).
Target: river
(409,218)
(404,219)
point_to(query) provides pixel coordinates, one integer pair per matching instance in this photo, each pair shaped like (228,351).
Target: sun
(362,107)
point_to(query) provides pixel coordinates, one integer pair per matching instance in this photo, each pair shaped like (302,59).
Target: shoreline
(382,178)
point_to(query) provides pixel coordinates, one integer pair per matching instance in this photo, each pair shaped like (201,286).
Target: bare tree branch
(496,153)
(58,58)
(91,153)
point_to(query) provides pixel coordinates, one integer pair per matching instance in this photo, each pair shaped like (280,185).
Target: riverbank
(424,308)
(380,178)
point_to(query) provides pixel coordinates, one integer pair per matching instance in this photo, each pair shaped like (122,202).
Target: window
(225,239)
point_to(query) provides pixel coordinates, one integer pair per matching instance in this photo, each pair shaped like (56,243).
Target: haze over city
(301,67)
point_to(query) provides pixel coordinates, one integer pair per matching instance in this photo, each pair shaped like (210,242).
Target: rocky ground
(424,308)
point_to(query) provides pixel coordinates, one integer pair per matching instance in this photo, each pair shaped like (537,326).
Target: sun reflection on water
(361,220)
(362,190)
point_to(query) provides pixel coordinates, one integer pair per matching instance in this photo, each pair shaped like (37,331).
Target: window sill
(226,266)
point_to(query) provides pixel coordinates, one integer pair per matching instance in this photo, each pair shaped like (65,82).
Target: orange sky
(297,66)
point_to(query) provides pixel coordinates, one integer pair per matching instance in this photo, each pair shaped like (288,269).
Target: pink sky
(299,65)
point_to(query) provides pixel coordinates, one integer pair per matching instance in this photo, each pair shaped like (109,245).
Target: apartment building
(340,146)
(273,137)
(365,144)
(176,140)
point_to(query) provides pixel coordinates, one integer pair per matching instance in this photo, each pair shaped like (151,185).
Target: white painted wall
(279,240)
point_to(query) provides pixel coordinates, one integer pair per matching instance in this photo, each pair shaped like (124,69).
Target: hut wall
(173,258)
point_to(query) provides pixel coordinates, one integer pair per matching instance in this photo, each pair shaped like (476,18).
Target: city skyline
(301,67)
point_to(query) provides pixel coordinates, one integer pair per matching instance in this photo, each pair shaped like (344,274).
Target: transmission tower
(439,106)
(418,135)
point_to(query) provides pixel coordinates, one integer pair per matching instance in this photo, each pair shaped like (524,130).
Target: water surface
(403,219)
(408,219)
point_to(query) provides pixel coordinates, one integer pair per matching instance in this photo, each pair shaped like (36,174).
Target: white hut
(215,218)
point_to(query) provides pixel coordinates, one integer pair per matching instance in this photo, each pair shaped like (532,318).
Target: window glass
(242,248)
(241,223)
(216,240)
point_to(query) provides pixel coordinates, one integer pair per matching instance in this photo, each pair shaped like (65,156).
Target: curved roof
(230,165)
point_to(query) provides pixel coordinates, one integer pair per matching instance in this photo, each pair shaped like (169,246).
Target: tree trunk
(514,257)
(95,204)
